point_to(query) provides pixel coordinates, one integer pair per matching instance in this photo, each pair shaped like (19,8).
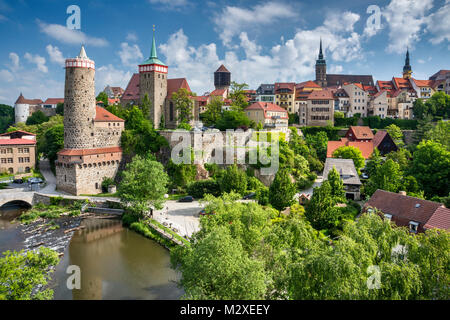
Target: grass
(150,233)
(106,195)
(169,231)
(177,196)
(48,212)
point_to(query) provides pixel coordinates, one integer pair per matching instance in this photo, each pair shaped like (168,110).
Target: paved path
(181,215)
(50,188)
(309,191)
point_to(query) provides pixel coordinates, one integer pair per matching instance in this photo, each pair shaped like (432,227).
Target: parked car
(203,213)
(18,181)
(187,199)
(249,196)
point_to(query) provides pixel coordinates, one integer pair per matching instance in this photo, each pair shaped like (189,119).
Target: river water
(115,263)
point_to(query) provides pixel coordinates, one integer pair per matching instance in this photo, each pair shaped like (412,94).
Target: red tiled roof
(103,115)
(307,84)
(267,107)
(361,132)
(285,85)
(405,209)
(218,92)
(22,100)
(54,100)
(366,148)
(439,220)
(173,85)
(132,90)
(321,95)
(87,152)
(222,69)
(401,83)
(423,83)
(200,98)
(8,142)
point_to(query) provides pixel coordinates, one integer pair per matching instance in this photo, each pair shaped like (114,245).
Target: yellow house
(285,95)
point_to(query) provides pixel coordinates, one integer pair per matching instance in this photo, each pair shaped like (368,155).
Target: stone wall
(107,136)
(84,178)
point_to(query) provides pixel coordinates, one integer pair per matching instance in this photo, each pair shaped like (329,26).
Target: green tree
(37,117)
(319,210)
(374,162)
(234,180)
(237,95)
(388,177)
(319,142)
(139,136)
(184,105)
(431,168)
(282,190)
(181,175)
(60,108)
(337,185)
(143,185)
(396,134)
(52,143)
(419,109)
(402,157)
(213,111)
(349,152)
(145,106)
(25,275)
(103,97)
(6,117)
(225,269)
(232,120)
(440,133)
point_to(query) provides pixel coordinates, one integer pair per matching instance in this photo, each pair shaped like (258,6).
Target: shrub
(106,183)
(198,189)
(254,184)
(262,195)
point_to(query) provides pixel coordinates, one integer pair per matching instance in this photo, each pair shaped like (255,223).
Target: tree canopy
(37,117)
(349,152)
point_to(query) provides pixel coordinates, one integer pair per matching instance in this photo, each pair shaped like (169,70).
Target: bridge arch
(15,203)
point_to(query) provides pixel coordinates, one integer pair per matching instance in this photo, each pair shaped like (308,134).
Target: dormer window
(413,226)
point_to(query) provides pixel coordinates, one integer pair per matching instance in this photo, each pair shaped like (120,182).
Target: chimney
(403,193)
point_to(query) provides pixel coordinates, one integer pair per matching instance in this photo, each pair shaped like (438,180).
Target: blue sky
(258,41)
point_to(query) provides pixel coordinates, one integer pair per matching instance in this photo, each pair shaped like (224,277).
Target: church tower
(321,69)
(79,102)
(407,71)
(222,78)
(153,82)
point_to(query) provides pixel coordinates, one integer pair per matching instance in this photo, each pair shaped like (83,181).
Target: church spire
(407,70)
(153,54)
(320,51)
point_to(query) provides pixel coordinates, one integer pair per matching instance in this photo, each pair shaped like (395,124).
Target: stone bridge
(16,197)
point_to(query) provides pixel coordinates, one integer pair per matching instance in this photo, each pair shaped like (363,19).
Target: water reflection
(116,263)
(11,237)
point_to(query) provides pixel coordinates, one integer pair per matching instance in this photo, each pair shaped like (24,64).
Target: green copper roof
(153,56)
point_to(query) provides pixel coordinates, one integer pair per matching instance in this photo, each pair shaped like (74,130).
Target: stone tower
(222,78)
(79,102)
(321,69)
(407,70)
(153,82)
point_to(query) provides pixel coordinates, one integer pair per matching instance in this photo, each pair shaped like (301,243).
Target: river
(115,263)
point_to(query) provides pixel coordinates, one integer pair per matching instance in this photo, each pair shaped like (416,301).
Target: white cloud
(55,54)
(341,21)
(15,60)
(109,75)
(130,55)
(38,61)
(170,4)
(336,69)
(405,20)
(6,75)
(438,24)
(68,36)
(292,60)
(131,36)
(231,21)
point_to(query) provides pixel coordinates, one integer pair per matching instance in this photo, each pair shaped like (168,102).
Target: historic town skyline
(193,47)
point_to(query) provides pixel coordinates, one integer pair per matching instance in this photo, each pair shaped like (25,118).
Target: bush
(198,189)
(332,132)
(378,123)
(234,179)
(185,126)
(106,183)
(254,184)
(262,195)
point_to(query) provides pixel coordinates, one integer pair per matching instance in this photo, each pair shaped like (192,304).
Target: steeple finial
(153,53)
(82,54)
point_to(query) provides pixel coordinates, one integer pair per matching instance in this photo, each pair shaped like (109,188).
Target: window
(10,160)
(413,226)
